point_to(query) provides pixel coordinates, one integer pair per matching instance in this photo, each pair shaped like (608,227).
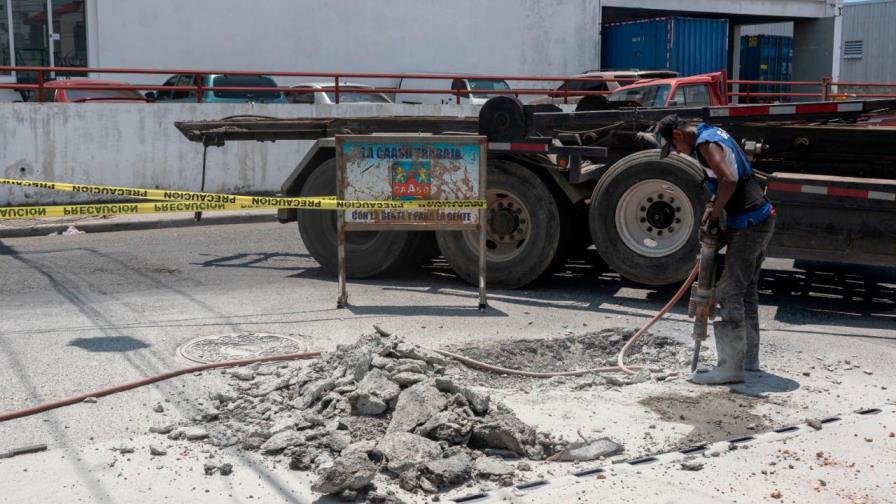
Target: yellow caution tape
(40,212)
(189,201)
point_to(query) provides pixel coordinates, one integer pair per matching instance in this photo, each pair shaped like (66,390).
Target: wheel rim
(508,226)
(654,218)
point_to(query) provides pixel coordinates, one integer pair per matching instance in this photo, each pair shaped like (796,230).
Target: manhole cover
(228,347)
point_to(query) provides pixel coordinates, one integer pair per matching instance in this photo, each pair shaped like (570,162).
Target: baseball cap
(663,129)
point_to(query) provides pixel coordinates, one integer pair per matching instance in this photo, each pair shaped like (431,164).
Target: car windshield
(102,94)
(245,81)
(354,97)
(487,85)
(646,96)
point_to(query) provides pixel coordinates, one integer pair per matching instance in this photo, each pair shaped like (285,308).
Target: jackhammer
(702,305)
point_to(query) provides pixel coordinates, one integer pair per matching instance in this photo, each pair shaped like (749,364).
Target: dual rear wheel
(643,220)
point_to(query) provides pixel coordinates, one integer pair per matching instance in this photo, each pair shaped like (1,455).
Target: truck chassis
(560,181)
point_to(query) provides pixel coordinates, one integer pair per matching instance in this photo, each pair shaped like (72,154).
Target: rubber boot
(730,349)
(751,350)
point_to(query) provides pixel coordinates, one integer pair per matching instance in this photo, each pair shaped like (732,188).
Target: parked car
(469,84)
(694,91)
(10,95)
(348,93)
(559,95)
(217,80)
(75,91)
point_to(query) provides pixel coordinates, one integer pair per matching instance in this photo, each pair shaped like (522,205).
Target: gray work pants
(737,289)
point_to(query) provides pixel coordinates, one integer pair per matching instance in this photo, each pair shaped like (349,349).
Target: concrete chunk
(408,351)
(447,471)
(489,468)
(581,451)
(279,442)
(195,433)
(415,406)
(349,472)
(404,450)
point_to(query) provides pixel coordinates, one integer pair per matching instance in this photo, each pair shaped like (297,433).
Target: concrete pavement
(85,311)
(848,461)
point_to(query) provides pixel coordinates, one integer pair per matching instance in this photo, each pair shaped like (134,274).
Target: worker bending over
(749,221)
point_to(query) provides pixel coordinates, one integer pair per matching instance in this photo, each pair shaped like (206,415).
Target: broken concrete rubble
(373,394)
(491,468)
(582,451)
(404,450)
(353,471)
(194,433)
(415,406)
(503,430)
(379,404)
(445,472)
(281,441)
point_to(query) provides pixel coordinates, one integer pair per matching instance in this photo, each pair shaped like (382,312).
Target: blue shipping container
(766,58)
(689,46)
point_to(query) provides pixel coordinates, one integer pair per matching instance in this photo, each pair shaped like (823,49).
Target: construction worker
(745,218)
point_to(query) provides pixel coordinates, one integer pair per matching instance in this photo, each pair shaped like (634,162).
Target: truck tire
(645,217)
(367,253)
(523,231)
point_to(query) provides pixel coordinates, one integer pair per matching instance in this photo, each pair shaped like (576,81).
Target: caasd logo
(411,179)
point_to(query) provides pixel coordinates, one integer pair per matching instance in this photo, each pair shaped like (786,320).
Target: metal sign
(396,168)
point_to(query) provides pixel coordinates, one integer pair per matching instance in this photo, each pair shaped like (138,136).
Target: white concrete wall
(138,146)
(518,37)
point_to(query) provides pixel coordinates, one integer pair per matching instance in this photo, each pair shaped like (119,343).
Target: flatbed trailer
(560,181)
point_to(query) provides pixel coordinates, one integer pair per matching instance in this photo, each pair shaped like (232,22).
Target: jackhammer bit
(703,301)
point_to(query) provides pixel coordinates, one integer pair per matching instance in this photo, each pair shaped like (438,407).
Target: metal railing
(745,91)
(825,89)
(43,74)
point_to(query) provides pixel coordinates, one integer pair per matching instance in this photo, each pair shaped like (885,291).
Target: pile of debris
(378,405)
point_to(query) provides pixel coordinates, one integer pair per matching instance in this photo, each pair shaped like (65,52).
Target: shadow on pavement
(108,344)
(809,293)
(832,294)
(423,311)
(260,260)
(762,382)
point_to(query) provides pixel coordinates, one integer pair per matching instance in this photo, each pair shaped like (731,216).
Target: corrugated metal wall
(635,44)
(699,45)
(873,24)
(689,46)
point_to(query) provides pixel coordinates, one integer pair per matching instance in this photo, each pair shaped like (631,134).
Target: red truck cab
(694,91)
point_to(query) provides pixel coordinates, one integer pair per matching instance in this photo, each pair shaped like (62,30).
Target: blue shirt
(736,160)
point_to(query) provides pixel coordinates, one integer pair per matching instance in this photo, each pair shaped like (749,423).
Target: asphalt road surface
(82,312)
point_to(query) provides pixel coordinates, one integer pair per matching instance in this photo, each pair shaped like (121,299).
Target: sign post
(384,169)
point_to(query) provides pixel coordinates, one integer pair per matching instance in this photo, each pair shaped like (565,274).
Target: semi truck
(559,182)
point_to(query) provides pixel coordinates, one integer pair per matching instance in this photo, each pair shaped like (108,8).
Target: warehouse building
(523,37)
(868,44)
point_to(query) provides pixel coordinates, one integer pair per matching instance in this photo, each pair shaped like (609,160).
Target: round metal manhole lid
(227,347)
